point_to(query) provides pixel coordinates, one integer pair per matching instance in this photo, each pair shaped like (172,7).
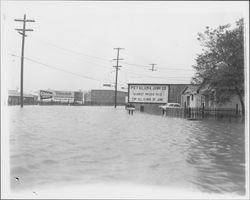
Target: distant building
(87,97)
(78,97)
(104,97)
(14,98)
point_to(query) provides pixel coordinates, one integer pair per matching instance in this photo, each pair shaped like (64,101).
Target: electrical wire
(109,60)
(59,69)
(91,78)
(73,51)
(165,77)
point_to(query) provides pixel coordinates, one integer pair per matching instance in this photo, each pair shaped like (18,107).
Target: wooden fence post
(185,107)
(189,112)
(202,111)
(237,110)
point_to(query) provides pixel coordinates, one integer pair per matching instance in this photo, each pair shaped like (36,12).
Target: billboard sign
(45,94)
(67,96)
(148,93)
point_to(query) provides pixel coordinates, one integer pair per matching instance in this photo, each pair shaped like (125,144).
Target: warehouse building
(104,97)
(14,98)
(175,92)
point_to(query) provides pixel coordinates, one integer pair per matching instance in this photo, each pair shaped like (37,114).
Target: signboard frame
(153,84)
(43,95)
(63,96)
(57,96)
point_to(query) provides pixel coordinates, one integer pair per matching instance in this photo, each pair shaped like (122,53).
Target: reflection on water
(78,145)
(217,153)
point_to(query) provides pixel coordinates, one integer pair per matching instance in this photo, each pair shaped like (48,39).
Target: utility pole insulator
(22,31)
(153,67)
(22,34)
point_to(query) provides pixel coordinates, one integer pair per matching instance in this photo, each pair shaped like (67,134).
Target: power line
(91,78)
(105,59)
(181,69)
(59,69)
(84,76)
(136,65)
(162,68)
(164,78)
(132,72)
(74,52)
(78,54)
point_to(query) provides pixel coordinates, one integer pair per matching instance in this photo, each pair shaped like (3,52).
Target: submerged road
(53,145)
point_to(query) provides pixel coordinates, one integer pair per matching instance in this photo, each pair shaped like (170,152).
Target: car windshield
(173,105)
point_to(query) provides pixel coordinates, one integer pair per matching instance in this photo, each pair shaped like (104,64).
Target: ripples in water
(49,145)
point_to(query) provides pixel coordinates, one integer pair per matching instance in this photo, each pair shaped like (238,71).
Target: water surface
(80,145)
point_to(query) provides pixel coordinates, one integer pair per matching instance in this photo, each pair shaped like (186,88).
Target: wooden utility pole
(116,72)
(22,32)
(153,67)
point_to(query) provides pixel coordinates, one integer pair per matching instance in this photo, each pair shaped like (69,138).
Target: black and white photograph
(125,100)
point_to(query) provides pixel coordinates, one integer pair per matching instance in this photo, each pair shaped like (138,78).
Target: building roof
(17,94)
(109,90)
(193,89)
(163,83)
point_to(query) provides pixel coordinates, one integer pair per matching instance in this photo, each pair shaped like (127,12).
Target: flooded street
(67,145)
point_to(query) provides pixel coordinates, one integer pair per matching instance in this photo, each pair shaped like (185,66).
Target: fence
(201,112)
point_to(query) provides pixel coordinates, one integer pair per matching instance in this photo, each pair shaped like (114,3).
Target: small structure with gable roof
(191,97)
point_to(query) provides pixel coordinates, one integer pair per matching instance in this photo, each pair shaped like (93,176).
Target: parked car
(170,105)
(130,107)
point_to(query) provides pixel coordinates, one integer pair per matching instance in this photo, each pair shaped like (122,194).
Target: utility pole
(153,67)
(116,71)
(22,32)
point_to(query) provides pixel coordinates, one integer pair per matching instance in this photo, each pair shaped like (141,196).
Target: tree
(220,66)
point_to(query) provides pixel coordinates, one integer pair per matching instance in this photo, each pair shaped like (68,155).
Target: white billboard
(63,96)
(45,94)
(148,93)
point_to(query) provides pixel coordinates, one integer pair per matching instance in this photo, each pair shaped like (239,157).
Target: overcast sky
(71,47)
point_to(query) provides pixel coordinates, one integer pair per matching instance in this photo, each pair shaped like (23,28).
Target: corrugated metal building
(104,97)
(78,97)
(175,92)
(14,98)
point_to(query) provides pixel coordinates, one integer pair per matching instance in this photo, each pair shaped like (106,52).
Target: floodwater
(67,145)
